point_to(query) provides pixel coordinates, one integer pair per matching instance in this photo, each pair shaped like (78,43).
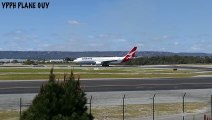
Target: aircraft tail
(130,55)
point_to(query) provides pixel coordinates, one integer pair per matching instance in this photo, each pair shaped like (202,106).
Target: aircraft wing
(105,63)
(108,61)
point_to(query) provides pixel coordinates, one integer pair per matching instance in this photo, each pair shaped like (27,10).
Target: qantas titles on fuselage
(105,61)
(86,58)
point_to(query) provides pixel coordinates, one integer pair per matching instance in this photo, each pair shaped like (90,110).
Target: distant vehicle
(106,61)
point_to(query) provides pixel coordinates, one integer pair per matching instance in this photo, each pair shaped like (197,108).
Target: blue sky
(109,25)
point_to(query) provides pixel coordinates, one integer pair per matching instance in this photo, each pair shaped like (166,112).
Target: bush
(59,101)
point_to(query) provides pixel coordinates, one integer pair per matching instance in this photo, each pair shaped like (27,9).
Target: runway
(203,68)
(103,85)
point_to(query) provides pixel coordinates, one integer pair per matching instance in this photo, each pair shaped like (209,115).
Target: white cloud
(103,35)
(20,36)
(73,22)
(165,37)
(91,36)
(18,31)
(20,40)
(201,47)
(95,44)
(30,49)
(197,48)
(139,45)
(163,49)
(45,45)
(120,40)
(176,43)
(161,38)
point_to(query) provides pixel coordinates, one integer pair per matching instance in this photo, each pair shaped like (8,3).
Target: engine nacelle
(98,63)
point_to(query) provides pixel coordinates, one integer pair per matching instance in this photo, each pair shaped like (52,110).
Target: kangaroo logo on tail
(130,55)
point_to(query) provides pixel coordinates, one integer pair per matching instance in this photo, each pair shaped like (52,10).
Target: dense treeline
(170,60)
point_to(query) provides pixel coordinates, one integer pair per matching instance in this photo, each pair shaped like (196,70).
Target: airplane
(106,61)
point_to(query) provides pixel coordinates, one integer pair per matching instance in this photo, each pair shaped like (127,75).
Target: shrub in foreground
(59,101)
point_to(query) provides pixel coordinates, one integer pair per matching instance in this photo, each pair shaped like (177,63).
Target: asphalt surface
(103,85)
(203,68)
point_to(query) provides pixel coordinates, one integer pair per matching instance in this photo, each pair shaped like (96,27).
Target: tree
(67,59)
(28,62)
(14,61)
(176,59)
(59,101)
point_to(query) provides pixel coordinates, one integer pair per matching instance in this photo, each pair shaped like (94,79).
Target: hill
(62,54)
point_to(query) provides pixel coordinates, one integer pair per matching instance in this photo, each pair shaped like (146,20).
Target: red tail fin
(130,55)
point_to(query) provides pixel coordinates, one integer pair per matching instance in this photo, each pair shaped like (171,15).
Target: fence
(157,106)
(207,118)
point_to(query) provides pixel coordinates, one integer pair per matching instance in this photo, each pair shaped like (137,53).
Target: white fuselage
(98,60)
(105,61)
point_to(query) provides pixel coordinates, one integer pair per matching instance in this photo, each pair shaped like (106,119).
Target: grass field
(14,73)
(131,111)
(9,115)
(145,110)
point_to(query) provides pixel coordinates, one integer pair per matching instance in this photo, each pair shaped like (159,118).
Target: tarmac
(106,85)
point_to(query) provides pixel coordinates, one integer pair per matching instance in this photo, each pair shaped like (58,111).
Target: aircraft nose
(75,61)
